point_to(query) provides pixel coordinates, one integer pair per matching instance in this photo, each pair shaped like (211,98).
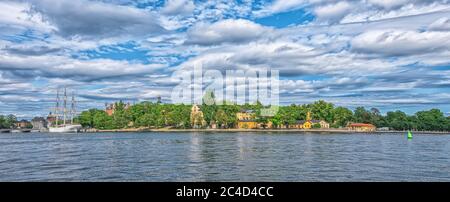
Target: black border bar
(265,191)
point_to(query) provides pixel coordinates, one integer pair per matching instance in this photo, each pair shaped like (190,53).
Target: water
(223,157)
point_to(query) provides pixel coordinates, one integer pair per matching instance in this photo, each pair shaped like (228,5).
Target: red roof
(361,125)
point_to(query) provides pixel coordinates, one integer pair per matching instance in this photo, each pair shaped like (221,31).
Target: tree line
(158,115)
(7,121)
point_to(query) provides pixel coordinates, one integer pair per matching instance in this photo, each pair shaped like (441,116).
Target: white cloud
(291,59)
(332,13)
(88,19)
(15,15)
(389,4)
(401,42)
(280,6)
(65,67)
(178,7)
(225,31)
(442,24)
(364,13)
(349,11)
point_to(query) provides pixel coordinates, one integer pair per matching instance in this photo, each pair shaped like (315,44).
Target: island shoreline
(139,130)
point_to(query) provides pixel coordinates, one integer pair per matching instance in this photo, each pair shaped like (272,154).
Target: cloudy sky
(389,54)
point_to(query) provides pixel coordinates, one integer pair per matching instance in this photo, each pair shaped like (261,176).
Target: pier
(15,130)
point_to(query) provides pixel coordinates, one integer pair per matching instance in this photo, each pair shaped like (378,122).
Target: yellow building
(303,124)
(363,127)
(246,120)
(197,120)
(247,124)
(308,124)
(322,123)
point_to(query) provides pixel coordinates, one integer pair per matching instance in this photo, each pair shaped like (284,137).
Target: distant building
(383,129)
(22,124)
(39,123)
(246,119)
(51,119)
(197,120)
(269,124)
(308,123)
(323,124)
(301,124)
(213,125)
(364,127)
(111,108)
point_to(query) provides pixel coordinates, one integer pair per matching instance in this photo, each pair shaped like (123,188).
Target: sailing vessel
(64,125)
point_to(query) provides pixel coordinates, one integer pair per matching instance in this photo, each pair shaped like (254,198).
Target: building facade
(22,124)
(197,120)
(363,127)
(111,108)
(309,123)
(246,119)
(39,123)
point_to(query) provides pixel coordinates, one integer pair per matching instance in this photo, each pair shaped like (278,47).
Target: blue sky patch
(280,20)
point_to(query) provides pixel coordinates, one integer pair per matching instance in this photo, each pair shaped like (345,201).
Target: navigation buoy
(409,135)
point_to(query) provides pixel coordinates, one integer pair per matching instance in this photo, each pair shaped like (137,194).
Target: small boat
(16,131)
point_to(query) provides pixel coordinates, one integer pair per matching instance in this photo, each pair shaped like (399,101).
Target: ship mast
(65,106)
(57,107)
(72,109)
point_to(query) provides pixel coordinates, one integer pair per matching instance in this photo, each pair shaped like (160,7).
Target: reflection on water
(223,157)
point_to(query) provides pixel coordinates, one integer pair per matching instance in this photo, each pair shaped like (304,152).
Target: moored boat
(69,128)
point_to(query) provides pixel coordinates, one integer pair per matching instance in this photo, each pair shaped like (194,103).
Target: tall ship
(63,122)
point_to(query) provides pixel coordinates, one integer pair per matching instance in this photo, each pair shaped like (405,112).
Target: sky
(388,54)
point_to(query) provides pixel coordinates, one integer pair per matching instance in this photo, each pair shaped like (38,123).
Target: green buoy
(409,135)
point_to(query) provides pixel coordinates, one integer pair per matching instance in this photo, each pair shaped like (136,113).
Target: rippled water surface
(223,157)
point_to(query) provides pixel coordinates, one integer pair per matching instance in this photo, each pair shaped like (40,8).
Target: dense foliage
(157,115)
(7,121)
(145,114)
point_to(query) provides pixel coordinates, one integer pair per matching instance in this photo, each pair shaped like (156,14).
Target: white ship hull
(65,129)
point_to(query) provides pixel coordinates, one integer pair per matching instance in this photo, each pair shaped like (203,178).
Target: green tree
(2,121)
(322,110)
(276,120)
(103,121)
(9,121)
(430,120)
(361,115)
(316,125)
(221,118)
(342,116)
(376,118)
(137,111)
(147,120)
(230,114)
(397,120)
(86,118)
